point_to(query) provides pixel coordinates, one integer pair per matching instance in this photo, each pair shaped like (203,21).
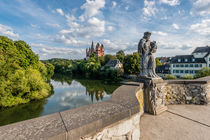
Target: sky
(65,28)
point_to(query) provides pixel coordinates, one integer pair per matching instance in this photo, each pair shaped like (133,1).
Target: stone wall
(187,92)
(117,118)
(128,129)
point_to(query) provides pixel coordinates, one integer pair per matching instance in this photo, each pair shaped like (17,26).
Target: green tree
(187,77)
(120,55)
(23,76)
(203,72)
(158,63)
(169,77)
(109,57)
(132,64)
(93,65)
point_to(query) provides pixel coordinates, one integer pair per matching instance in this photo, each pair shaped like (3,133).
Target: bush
(169,77)
(22,76)
(203,73)
(187,77)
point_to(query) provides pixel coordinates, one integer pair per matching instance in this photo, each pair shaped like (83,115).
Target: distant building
(164,60)
(189,64)
(163,70)
(115,64)
(98,50)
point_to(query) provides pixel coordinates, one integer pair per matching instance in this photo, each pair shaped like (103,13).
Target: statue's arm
(141,46)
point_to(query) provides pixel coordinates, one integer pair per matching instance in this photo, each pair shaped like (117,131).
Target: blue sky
(64,28)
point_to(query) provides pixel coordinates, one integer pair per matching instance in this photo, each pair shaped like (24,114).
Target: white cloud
(93,28)
(47,52)
(112,46)
(35,26)
(66,38)
(114,3)
(92,8)
(160,33)
(87,25)
(175,26)
(170,2)
(110,28)
(149,8)
(53,25)
(202,6)
(203,28)
(8,31)
(126,8)
(60,11)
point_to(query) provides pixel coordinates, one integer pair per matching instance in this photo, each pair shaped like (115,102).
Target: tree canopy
(22,76)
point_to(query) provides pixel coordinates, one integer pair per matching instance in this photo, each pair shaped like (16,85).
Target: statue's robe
(143,50)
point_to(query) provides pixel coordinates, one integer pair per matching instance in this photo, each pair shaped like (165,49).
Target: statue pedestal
(154,95)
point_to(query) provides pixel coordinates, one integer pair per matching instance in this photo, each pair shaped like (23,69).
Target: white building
(189,64)
(115,64)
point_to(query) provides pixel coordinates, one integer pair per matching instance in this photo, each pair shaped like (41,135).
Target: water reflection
(69,93)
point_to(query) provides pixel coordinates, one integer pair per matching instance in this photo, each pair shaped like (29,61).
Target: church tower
(102,50)
(92,47)
(98,50)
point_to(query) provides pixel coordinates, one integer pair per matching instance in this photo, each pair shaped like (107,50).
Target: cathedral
(99,50)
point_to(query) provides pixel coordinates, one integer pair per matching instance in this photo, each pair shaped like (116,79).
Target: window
(186,65)
(174,71)
(177,71)
(191,65)
(186,71)
(196,71)
(201,65)
(181,71)
(185,60)
(193,60)
(174,65)
(209,65)
(196,65)
(182,65)
(177,65)
(179,60)
(209,58)
(191,71)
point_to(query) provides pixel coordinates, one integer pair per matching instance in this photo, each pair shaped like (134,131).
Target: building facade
(181,65)
(98,50)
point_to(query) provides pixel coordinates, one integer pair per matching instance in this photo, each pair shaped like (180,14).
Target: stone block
(46,127)
(121,129)
(135,134)
(136,120)
(119,138)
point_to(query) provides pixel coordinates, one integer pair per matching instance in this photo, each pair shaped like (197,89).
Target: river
(68,93)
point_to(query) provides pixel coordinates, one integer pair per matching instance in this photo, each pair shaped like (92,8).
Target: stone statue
(146,50)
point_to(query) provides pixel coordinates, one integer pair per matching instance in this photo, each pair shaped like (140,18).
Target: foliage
(187,77)
(22,76)
(120,55)
(158,63)
(132,64)
(203,72)
(169,77)
(109,57)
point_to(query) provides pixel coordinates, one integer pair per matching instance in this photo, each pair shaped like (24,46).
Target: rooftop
(202,49)
(189,58)
(113,63)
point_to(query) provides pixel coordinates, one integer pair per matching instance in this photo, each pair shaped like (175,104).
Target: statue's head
(153,48)
(147,35)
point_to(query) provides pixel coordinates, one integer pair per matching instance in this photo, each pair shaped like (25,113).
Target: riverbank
(67,94)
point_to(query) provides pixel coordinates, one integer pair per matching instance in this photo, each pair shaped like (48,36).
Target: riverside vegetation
(23,77)
(96,68)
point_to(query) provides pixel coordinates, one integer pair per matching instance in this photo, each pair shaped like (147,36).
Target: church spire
(92,46)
